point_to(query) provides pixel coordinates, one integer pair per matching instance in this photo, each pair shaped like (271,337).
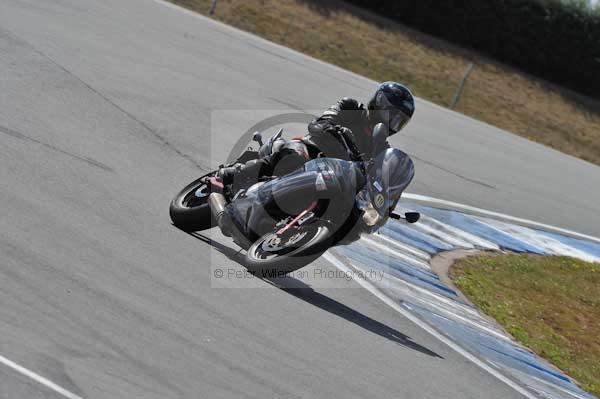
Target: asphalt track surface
(102,109)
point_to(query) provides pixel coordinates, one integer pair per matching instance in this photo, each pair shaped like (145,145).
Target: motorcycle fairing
(257,212)
(388,176)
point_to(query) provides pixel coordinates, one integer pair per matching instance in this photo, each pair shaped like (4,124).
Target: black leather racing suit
(324,132)
(326,137)
(343,131)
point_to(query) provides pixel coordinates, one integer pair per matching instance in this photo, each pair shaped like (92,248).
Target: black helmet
(392,104)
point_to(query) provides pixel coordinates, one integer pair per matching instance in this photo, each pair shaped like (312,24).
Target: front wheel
(274,254)
(189,209)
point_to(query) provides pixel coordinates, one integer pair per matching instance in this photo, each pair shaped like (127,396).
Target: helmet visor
(398,120)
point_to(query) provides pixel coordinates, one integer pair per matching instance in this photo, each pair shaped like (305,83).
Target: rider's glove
(347,138)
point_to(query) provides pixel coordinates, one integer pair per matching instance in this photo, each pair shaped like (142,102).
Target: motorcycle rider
(343,131)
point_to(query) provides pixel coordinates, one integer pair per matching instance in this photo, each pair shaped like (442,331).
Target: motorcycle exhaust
(217,204)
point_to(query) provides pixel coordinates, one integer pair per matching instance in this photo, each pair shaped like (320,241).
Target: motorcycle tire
(189,210)
(265,259)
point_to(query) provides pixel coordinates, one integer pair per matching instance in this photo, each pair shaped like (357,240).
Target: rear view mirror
(412,217)
(258,138)
(409,217)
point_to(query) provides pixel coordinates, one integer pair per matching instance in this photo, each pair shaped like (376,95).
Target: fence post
(461,86)
(213,6)
(287,29)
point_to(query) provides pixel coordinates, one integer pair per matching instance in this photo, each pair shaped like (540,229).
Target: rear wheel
(275,254)
(189,209)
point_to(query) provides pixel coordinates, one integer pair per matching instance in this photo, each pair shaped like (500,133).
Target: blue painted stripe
(474,226)
(588,247)
(499,351)
(368,258)
(365,250)
(417,239)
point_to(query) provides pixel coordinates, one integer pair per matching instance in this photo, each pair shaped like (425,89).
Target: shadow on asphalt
(232,254)
(304,292)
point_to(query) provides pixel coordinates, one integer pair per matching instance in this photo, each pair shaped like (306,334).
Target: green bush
(548,38)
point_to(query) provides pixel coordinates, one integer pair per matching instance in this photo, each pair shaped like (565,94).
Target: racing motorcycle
(286,222)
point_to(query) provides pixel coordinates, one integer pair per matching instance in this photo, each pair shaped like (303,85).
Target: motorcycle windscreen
(391,172)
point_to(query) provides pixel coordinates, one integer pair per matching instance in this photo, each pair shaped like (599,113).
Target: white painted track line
(391,303)
(38,378)
(526,222)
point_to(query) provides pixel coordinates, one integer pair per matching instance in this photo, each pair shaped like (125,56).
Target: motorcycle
(286,222)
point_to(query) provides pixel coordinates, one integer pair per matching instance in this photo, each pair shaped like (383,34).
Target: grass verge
(549,304)
(382,50)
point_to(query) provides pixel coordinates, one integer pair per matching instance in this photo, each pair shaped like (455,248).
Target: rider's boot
(242,175)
